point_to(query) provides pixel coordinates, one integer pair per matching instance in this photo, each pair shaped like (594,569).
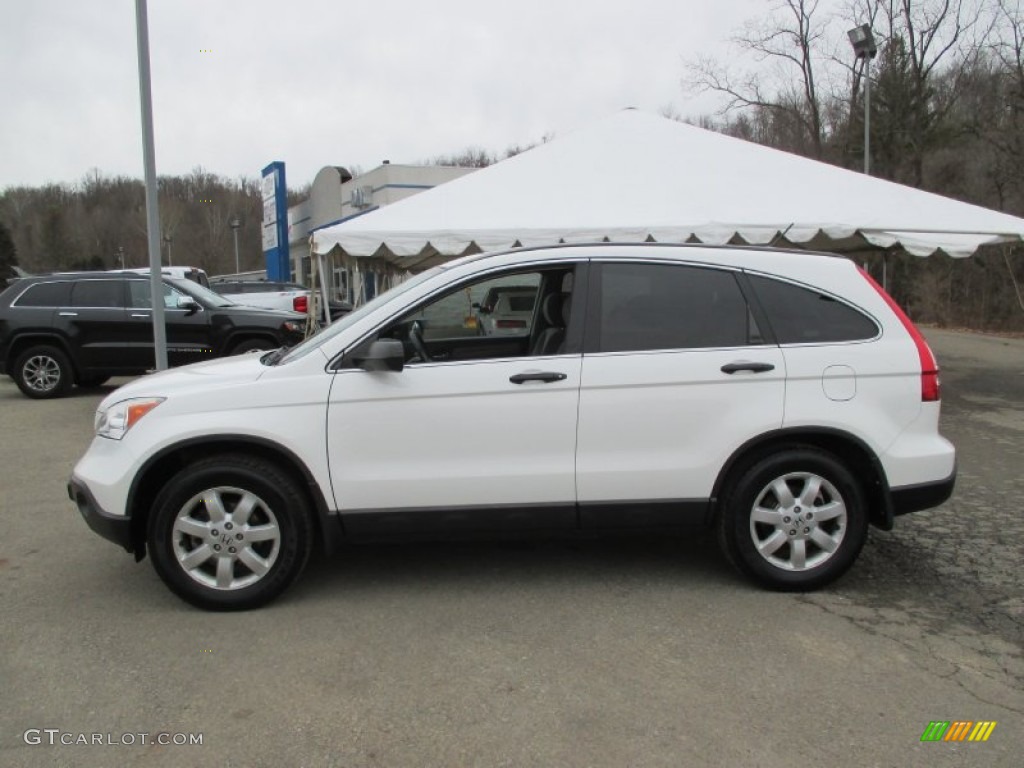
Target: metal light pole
(235,223)
(864,47)
(152,210)
(169,239)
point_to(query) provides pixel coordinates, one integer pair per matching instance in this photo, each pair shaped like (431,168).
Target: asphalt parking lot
(631,653)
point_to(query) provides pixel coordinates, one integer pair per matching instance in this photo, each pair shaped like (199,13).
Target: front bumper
(914,498)
(115,528)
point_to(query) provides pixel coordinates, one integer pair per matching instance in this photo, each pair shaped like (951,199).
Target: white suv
(781,397)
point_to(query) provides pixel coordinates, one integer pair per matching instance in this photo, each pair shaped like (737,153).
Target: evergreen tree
(8,254)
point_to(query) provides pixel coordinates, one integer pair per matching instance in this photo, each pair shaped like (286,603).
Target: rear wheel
(794,520)
(43,372)
(230,533)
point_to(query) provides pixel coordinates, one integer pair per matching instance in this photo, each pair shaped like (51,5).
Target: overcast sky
(239,83)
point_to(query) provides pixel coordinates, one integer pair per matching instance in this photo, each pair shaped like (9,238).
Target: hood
(244,310)
(223,370)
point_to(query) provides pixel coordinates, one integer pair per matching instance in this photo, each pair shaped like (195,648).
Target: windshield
(205,295)
(313,342)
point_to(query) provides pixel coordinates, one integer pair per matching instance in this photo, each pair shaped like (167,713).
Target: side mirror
(189,304)
(382,355)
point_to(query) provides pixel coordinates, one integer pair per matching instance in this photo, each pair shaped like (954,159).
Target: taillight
(300,303)
(930,390)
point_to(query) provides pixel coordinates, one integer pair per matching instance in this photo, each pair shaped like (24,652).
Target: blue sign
(275,223)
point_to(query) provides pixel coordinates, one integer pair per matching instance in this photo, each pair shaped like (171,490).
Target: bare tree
(1004,128)
(789,40)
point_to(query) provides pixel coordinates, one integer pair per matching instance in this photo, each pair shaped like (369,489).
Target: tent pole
(1013,277)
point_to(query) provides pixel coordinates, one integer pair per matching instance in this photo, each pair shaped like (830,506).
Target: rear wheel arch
(23,341)
(848,449)
(162,467)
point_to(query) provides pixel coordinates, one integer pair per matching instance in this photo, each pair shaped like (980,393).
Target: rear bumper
(115,528)
(914,498)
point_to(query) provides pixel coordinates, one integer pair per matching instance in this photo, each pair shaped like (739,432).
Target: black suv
(82,328)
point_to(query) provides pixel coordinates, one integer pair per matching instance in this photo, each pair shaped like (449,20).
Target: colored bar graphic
(935,731)
(958,730)
(982,731)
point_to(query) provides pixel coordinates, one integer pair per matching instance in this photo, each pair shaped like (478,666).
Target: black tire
(43,372)
(189,544)
(769,532)
(249,345)
(87,382)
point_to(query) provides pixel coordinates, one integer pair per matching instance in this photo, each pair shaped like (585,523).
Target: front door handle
(744,365)
(545,376)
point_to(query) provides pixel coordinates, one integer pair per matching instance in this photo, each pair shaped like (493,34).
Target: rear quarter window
(800,315)
(56,294)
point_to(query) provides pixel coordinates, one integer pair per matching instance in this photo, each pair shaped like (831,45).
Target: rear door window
(668,306)
(800,315)
(98,294)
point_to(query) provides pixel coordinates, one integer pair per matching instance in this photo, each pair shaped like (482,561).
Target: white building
(336,197)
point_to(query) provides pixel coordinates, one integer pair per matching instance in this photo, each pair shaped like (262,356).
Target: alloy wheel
(798,521)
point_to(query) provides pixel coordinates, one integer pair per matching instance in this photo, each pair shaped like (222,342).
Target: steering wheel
(416,339)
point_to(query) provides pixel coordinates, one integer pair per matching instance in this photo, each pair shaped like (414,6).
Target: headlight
(120,417)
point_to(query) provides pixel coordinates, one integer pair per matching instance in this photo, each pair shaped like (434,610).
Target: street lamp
(235,223)
(169,239)
(864,47)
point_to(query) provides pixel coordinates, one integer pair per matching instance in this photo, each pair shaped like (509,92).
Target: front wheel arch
(160,468)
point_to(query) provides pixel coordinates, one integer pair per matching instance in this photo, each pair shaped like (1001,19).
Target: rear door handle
(744,365)
(140,314)
(68,314)
(545,376)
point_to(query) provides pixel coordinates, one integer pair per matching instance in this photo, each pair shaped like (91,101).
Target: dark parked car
(82,328)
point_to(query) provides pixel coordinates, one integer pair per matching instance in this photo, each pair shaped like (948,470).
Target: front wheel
(794,520)
(230,533)
(253,345)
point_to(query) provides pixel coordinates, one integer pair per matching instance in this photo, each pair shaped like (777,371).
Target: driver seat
(555,311)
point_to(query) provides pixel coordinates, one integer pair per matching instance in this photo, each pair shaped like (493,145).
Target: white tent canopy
(634,177)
